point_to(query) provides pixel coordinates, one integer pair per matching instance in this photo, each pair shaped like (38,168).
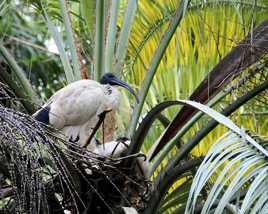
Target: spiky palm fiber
(24,149)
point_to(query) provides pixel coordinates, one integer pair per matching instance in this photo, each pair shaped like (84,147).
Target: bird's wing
(44,113)
(71,87)
(77,104)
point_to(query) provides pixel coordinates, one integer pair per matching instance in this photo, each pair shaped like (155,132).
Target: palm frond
(202,39)
(60,45)
(111,36)
(157,57)
(4,7)
(71,39)
(232,166)
(99,40)
(226,70)
(26,92)
(124,35)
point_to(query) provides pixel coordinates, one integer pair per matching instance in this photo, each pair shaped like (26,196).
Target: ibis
(79,108)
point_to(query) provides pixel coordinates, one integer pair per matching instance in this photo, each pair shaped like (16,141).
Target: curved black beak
(116,81)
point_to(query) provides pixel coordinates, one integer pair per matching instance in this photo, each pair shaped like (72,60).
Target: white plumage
(75,109)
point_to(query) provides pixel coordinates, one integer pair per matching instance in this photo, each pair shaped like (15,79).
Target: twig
(101,119)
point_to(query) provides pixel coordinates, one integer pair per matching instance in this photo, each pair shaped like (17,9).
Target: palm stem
(70,39)
(124,35)
(99,39)
(111,37)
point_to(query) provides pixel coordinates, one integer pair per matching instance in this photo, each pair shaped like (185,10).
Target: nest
(107,184)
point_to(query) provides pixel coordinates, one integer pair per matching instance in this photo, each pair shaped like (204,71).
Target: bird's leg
(103,125)
(101,119)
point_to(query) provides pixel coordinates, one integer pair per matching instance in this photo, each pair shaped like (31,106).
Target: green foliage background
(208,31)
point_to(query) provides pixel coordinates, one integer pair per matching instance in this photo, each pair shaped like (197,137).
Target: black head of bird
(112,80)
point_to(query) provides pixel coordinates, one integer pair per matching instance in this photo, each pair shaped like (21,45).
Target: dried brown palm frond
(254,77)
(243,84)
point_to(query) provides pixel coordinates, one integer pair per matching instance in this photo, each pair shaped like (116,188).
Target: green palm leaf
(232,166)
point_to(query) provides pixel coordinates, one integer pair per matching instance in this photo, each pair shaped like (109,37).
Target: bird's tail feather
(42,114)
(78,133)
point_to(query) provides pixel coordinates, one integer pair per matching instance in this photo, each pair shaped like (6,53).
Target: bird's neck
(108,89)
(113,95)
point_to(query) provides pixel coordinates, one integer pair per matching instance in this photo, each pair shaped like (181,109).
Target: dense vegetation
(204,155)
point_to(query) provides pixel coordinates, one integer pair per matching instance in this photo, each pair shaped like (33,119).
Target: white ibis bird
(78,108)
